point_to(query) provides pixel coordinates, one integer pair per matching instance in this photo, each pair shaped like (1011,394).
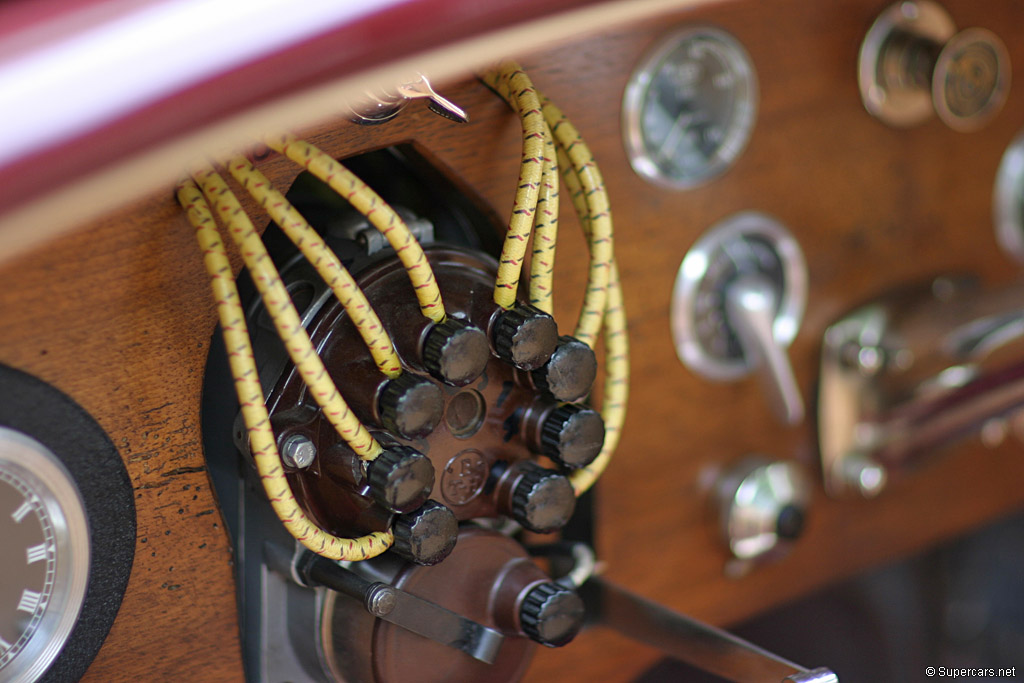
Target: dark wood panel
(118,315)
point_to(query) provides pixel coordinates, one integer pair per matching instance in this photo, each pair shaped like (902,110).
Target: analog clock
(67,532)
(45,558)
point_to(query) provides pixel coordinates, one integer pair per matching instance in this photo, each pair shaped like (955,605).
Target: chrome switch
(737,305)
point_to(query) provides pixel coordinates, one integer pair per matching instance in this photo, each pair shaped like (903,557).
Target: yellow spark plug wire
(615,388)
(509,79)
(603,301)
(286,319)
(598,219)
(545,232)
(251,399)
(326,262)
(616,343)
(376,210)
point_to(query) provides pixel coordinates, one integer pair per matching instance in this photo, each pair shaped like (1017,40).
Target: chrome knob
(913,62)
(762,505)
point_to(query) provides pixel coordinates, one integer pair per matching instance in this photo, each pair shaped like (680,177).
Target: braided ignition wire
(509,78)
(616,385)
(545,232)
(616,342)
(286,319)
(376,210)
(250,396)
(598,218)
(545,227)
(324,260)
(603,302)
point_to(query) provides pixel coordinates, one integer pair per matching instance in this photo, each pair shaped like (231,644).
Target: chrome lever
(383,104)
(399,607)
(706,647)
(751,304)
(913,371)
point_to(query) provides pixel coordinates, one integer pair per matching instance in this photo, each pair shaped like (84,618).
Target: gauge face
(44,563)
(689,108)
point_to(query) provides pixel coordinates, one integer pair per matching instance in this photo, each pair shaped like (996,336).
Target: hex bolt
(298,451)
(380,600)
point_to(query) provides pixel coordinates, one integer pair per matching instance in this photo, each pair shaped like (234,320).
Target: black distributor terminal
(570,372)
(455,352)
(400,478)
(410,406)
(527,602)
(525,336)
(539,499)
(427,535)
(551,614)
(571,434)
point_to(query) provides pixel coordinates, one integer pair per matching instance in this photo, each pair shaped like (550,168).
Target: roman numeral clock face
(44,558)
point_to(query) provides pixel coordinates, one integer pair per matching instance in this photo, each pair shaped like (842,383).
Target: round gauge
(689,108)
(1008,200)
(67,532)
(45,559)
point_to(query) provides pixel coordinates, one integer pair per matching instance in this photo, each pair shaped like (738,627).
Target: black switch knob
(401,478)
(427,535)
(790,522)
(456,352)
(572,435)
(410,406)
(570,372)
(551,614)
(542,500)
(525,336)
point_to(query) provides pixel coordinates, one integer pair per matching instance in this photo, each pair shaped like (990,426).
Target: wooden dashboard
(117,314)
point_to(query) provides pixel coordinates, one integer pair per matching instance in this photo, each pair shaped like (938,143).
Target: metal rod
(706,647)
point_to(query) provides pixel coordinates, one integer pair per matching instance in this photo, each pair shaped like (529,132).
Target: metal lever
(421,88)
(405,610)
(751,303)
(383,104)
(691,641)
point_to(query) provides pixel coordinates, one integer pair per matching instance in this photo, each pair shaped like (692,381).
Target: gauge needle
(675,135)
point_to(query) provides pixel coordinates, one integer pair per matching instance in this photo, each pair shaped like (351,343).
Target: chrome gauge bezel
(36,468)
(1008,200)
(738,129)
(695,266)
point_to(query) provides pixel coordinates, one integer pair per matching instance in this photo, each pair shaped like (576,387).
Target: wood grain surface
(119,316)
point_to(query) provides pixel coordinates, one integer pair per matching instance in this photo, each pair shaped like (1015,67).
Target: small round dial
(689,108)
(45,560)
